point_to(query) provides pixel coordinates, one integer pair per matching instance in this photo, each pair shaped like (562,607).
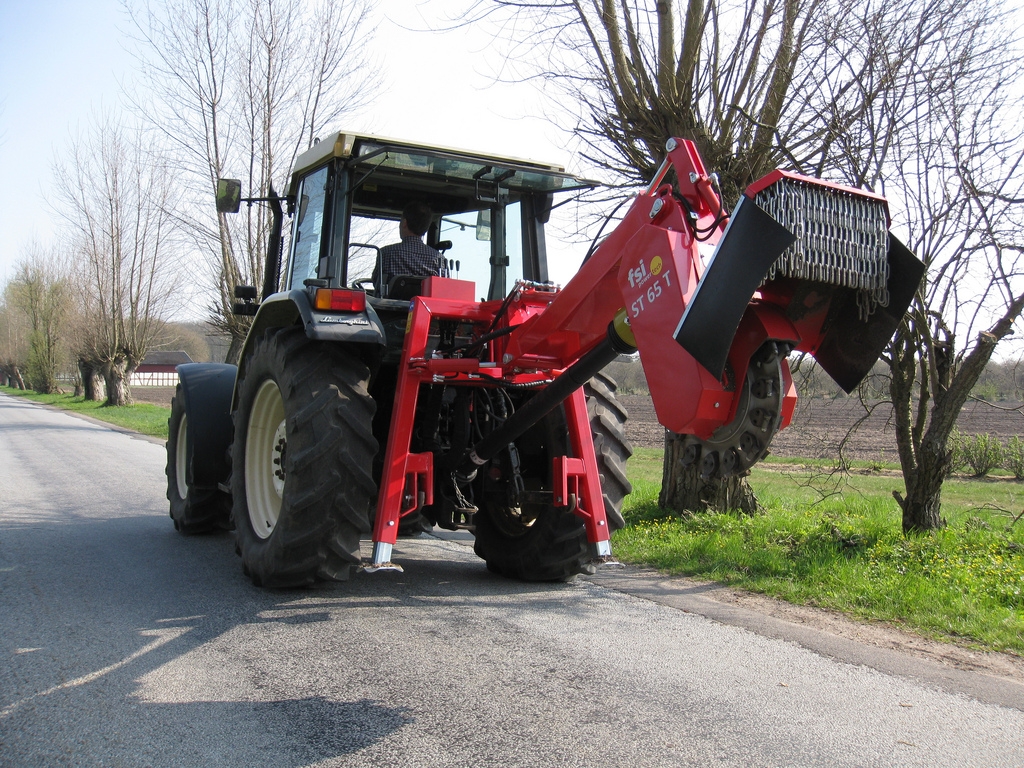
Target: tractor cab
(488,219)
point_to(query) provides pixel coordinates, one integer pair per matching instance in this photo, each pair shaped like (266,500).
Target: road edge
(90,419)
(918,659)
(939,665)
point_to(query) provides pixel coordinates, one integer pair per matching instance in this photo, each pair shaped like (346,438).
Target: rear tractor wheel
(302,459)
(608,425)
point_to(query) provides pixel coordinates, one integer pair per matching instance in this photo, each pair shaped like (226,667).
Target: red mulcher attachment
(804,265)
(800,264)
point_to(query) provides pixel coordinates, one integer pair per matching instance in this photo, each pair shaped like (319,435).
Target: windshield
(468,257)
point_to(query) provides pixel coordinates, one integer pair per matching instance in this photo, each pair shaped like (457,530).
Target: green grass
(837,543)
(142,417)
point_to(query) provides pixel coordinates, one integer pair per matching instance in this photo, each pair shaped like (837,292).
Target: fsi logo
(640,275)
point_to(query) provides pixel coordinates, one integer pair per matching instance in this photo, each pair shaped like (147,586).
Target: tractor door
(312,229)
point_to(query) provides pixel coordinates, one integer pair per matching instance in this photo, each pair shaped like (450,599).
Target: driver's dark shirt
(410,257)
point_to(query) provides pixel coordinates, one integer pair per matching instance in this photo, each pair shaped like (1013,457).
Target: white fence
(153,379)
(146,379)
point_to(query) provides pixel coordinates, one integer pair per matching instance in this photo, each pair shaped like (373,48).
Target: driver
(411,256)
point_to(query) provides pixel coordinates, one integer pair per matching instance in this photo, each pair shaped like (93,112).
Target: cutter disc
(735,447)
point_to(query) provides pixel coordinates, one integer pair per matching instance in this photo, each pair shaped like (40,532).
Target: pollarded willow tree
(41,294)
(968,226)
(115,194)
(13,340)
(897,96)
(238,88)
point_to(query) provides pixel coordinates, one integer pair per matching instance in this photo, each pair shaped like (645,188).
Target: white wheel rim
(181,458)
(265,442)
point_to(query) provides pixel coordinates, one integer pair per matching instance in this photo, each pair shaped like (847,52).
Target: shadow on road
(115,627)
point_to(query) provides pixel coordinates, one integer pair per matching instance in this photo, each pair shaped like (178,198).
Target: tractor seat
(403,287)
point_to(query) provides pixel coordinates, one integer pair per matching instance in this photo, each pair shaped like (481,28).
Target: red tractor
(362,408)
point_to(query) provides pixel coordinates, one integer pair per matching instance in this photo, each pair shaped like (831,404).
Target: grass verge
(141,417)
(837,543)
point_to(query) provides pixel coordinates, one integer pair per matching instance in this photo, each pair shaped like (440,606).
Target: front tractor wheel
(528,537)
(301,459)
(193,510)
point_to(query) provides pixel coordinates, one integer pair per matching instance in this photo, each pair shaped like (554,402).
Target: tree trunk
(44,382)
(90,383)
(115,374)
(922,506)
(235,349)
(683,490)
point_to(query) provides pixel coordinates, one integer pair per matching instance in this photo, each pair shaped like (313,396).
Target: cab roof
(441,163)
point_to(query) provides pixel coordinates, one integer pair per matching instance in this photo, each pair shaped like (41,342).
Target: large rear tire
(301,460)
(608,425)
(539,541)
(193,510)
(534,540)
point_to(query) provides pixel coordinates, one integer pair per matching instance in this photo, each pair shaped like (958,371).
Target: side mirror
(229,195)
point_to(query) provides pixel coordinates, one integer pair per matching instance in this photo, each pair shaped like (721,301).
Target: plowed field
(817,430)
(819,427)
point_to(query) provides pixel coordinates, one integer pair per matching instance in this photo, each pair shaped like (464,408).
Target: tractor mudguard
(851,345)
(207,389)
(287,308)
(752,242)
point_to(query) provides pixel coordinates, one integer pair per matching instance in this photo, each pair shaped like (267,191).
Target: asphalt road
(125,643)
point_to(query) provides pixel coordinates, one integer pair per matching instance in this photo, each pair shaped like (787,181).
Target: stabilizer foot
(381,560)
(370,567)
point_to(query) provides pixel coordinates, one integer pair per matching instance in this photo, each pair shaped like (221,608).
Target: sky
(63,60)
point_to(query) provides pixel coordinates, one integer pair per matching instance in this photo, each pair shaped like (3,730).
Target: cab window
(308,233)
(367,235)
(472,239)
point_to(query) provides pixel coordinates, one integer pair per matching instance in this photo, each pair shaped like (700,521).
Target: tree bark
(683,490)
(90,379)
(12,376)
(234,352)
(115,374)
(43,379)
(922,506)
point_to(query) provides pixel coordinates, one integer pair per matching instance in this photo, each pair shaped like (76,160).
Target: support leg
(591,506)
